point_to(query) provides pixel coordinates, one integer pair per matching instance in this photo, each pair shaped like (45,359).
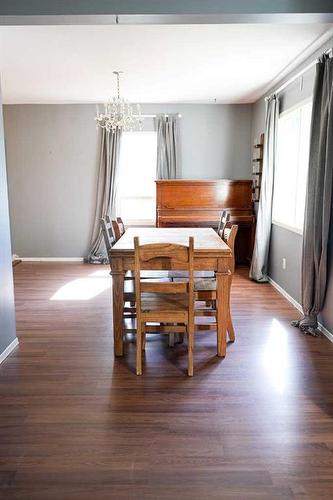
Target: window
(293,143)
(137,173)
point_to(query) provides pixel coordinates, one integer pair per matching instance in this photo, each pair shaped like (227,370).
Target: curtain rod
(144,115)
(154,116)
(300,73)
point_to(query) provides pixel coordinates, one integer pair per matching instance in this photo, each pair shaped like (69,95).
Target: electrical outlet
(284,263)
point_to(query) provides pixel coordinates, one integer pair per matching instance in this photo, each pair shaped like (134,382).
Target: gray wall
(7,308)
(285,243)
(215,139)
(52,166)
(51,157)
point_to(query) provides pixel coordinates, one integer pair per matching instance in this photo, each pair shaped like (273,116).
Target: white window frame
(275,221)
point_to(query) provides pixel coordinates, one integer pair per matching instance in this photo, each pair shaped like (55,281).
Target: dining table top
(205,239)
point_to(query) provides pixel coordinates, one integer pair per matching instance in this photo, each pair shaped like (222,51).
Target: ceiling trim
(106,19)
(323,42)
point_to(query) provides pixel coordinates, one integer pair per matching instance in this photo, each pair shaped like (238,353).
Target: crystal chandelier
(118,113)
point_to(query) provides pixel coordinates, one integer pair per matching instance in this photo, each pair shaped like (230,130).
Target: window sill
(288,228)
(140,223)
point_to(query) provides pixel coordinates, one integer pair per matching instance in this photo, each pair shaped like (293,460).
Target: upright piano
(196,203)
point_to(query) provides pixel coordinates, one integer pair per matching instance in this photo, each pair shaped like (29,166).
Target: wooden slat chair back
(106,227)
(121,225)
(116,230)
(224,220)
(164,302)
(129,295)
(229,237)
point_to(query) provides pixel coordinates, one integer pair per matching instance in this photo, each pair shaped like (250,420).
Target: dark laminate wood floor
(75,424)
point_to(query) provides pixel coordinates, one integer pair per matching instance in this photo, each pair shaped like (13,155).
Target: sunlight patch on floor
(84,288)
(101,273)
(275,356)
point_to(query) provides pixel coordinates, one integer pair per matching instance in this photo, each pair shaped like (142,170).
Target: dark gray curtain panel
(168,147)
(106,192)
(259,264)
(318,199)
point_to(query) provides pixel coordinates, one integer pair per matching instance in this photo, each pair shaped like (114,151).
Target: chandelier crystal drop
(118,113)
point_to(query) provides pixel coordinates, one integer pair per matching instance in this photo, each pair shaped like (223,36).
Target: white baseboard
(326,332)
(298,306)
(51,259)
(8,350)
(285,294)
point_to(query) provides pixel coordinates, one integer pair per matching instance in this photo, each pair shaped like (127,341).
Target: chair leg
(171,339)
(231,330)
(139,349)
(143,340)
(190,345)
(180,338)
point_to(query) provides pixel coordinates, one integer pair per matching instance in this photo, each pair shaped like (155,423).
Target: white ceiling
(181,63)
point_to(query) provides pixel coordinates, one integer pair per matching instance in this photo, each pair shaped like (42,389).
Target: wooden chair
(224,219)
(166,302)
(109,235)
(129,293)
(118,229)
(205,289)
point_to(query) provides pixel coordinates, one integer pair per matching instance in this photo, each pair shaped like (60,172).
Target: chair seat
(129,287)
(196,274)
(148,274)
(164,302)
(201,284)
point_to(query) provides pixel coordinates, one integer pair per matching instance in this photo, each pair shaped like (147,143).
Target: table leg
(223,314)
(118,311)
(231,330)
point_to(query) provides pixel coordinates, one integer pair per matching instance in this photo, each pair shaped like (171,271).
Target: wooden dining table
(211,253)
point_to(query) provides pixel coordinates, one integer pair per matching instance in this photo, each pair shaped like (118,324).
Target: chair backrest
(229,238)
(224,219)
(116,230)
(179,255)
(121,225)
(107,232)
